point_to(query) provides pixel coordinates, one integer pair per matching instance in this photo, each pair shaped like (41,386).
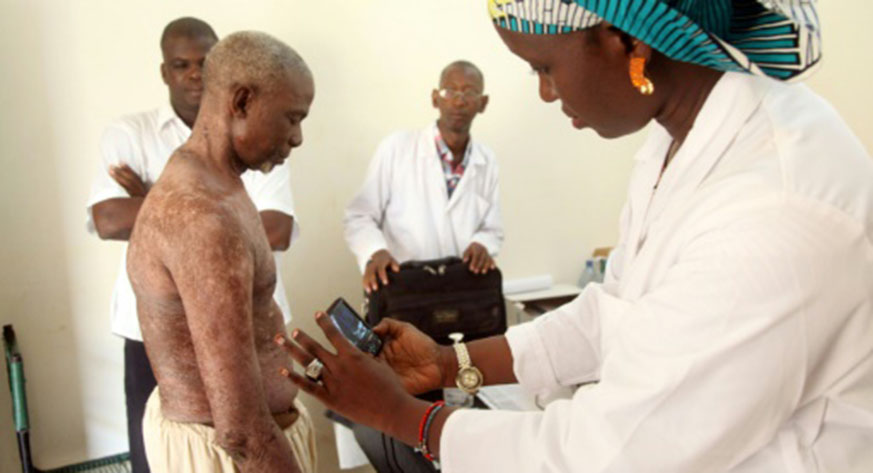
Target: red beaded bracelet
(424,426)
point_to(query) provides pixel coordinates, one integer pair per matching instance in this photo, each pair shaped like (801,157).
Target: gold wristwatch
(469,379)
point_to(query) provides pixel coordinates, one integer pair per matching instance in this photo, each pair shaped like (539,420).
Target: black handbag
(441,297)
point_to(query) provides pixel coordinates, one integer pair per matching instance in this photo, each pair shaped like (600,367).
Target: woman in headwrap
(734,332)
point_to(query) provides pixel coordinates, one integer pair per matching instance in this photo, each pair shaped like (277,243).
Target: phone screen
(353,327)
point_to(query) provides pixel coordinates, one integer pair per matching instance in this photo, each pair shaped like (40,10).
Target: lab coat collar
(469,175)
(472,158)
(727,109)
(476,159)
(729,105)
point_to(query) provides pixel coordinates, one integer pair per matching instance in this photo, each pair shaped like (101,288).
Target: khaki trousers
(182,447)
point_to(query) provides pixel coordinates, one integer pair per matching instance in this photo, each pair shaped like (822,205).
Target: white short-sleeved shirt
(144,142)
(734,332)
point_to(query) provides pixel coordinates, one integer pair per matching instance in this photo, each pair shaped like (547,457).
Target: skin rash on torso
(189,205)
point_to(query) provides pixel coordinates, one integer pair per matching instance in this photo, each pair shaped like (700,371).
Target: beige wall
(69,67)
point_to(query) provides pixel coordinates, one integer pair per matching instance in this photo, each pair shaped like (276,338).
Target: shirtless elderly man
(203,274)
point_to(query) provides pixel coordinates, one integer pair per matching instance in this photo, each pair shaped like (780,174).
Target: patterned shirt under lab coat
(735,330)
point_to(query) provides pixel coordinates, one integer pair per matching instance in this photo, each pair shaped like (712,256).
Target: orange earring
(638,76)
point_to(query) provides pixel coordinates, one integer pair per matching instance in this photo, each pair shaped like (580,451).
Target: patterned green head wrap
(775,38)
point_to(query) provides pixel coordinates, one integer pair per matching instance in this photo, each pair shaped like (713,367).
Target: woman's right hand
(420,362)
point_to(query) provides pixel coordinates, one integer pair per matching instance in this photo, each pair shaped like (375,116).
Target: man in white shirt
(134,151)
(431,193)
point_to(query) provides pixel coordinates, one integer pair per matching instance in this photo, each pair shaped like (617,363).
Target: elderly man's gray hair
(252,59)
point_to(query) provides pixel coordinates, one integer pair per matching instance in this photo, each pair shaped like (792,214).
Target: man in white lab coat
(431,193)
(428,194)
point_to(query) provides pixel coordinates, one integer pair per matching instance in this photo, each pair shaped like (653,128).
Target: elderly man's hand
(377,270)
(129,180)
(478,259)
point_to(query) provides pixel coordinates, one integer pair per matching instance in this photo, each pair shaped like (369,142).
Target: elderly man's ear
(241,102)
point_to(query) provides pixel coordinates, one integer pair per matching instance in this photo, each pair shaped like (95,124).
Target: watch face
(469,379)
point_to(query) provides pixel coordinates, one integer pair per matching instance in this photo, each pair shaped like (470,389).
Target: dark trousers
(139,382)
(388,455)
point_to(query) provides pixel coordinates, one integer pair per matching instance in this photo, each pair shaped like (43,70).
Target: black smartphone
(354,327)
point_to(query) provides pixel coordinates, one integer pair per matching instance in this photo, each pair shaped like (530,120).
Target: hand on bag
(353,383)
(377,270)
(480,262)
(129,180)
(415,357)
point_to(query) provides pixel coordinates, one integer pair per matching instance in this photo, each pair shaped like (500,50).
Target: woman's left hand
(353,383)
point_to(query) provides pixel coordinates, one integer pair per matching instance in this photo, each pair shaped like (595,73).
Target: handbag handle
(439,271)
(418,264)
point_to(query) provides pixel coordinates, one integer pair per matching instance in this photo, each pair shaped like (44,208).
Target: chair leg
(24,452)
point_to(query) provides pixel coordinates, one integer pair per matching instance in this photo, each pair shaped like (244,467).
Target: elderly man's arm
(212,266)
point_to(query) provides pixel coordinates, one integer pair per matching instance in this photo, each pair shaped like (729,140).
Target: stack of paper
(510,397)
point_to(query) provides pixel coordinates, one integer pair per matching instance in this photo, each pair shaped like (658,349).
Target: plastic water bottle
(599,268)
(588,274)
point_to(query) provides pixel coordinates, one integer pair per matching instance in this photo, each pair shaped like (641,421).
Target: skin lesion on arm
(244,448)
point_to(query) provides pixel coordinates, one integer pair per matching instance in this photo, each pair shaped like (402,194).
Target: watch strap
(463,356)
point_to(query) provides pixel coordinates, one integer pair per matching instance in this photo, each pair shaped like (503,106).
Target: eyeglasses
(452,94)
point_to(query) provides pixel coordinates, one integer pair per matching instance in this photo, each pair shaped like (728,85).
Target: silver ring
(313,369)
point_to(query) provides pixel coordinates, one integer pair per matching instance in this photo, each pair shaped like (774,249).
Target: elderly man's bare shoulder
(188,211)
(186,197)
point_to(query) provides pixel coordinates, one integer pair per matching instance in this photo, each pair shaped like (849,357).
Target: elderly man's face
(271,126)
(182,69)
(459,99)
